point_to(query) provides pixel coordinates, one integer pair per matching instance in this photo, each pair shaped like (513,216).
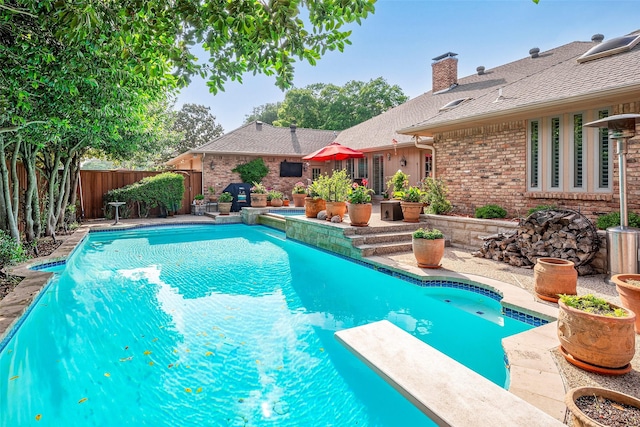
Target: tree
(331,107)
(197,127)
(266,113)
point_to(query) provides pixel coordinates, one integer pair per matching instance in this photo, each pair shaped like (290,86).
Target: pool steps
(442,388)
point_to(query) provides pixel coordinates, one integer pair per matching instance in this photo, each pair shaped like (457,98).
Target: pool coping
(534,375)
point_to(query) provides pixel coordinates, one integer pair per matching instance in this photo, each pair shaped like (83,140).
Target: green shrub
(613,219)
(490,211)
(436,192)
(225,197)
(254,171)
(165,190)
(541,208)
(11,252)
(413,194)
(592,304)
(428,233)
(334,188)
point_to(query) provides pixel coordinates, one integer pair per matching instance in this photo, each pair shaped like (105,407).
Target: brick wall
(444,74)
(221,175)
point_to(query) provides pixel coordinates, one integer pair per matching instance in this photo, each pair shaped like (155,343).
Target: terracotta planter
(359,214)
(579,418)
(554,276)
(224,208)
(411,211)
(285,203)
(336,209)
(258,200)
(591,341)
(428,252)
(629,294)
(276,203)
(298,200)
(313,206)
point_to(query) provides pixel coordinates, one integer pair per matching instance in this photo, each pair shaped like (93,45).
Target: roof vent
(480,70)
(597,38)
(293,127)
(258,125)
(453,104)
(534,52)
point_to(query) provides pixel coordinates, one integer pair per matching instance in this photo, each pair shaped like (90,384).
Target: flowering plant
(258,188)
(360,193)
(274,195)
(413,194)
(398,183)
(299,188)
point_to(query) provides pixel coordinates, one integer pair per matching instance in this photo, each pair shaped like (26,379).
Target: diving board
(445,390)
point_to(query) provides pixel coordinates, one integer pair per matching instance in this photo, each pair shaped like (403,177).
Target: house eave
(606,95)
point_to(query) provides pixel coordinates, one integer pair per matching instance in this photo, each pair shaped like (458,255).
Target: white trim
(549,162)
(572,133)
(528,156)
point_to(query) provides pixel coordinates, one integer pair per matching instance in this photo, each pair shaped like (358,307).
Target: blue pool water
(225,325)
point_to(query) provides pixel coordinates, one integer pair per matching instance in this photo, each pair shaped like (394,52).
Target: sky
(400,39)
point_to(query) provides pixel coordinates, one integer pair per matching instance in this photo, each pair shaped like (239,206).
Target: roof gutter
(420,143)
(624,90)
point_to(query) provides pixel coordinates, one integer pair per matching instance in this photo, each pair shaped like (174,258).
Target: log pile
(555,233)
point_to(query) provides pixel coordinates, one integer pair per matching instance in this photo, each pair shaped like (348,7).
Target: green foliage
(11,252)
(613,219)
(331,107)
(360,194)
(258,188)
(274,195)
(428,233)
(490,211)
(436,196)
(540,208)
(397,184)
(198,197)
(196,125)
(299,188)
(592,304)
(334,188)
(266,113)
(254,171)
(165,190)
(225,197)
(413,194)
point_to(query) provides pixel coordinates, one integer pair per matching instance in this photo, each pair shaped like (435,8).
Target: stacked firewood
(555,233)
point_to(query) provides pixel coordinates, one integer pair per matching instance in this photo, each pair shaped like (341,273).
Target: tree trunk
(15,184)
(32,199)
(6,194)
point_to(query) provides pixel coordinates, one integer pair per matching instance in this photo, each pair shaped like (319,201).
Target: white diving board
(445,390)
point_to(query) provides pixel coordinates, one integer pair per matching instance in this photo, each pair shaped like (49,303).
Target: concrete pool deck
(538,374)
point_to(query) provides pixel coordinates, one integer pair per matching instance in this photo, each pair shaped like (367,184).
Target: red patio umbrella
(334,151)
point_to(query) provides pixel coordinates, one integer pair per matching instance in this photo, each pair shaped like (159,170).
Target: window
(556,153)
(577,149)
(363,168)
(350,166)
(315,173)
(534,155)
(603,155)
(337,165)
(428,165)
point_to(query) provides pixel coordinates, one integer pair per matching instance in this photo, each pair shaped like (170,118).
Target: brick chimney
(444,71)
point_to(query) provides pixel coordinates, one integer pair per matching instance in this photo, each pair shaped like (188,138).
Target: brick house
(275,145)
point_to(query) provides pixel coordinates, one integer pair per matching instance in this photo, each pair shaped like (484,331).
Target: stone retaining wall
(322,235)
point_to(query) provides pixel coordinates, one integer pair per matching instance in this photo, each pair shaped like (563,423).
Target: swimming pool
(225,325)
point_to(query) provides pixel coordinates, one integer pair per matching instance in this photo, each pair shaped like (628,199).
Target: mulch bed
(46,246)
(609,413)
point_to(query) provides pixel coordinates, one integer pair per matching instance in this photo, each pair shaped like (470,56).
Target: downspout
(202,174)
(422,146)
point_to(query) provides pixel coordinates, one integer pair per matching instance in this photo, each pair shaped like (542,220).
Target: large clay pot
(599,341)
(313,206)
(336,209)
(359,214)
(554,276)
(224,208)
(258,200)
(428,252)
(579,418)
(298,200)
(276,203)
(629,294)
(411,211)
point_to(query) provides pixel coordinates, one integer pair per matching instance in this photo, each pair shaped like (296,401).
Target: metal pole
(622,170)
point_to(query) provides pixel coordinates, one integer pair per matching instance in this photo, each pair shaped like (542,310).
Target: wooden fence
(94,184)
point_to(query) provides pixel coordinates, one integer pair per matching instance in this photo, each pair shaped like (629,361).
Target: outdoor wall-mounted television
(290,168)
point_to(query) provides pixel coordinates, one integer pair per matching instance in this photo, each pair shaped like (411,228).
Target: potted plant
(412,203)
(334,190)
(285,200)
(428,247)
(360,204)
(299,193)
(224,203)
(258,195)
(198,199)
(553,277)
(313,203)
(628,287)
(275,197)
(596,335)
(593,406)
(397,184)
(212,194)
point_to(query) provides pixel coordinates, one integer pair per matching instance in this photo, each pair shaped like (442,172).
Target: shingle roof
(558,82)
(529,73)
(268,140)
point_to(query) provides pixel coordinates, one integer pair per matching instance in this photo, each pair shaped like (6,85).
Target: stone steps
(382,240)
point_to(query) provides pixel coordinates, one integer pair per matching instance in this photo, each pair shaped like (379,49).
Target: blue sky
(400,39)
